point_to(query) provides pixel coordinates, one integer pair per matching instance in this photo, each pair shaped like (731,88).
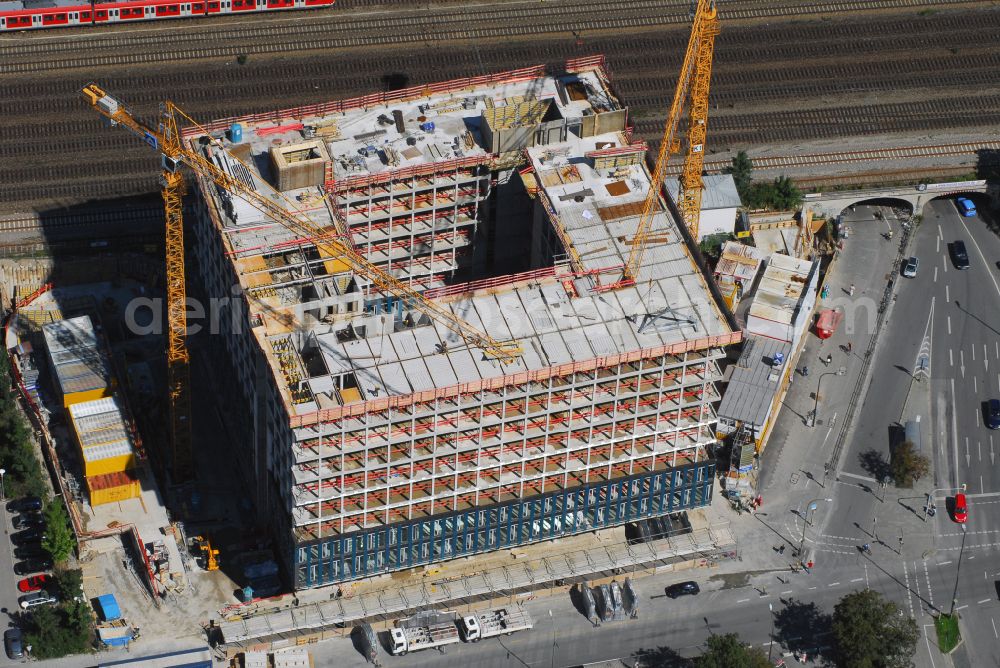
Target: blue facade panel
(448,536)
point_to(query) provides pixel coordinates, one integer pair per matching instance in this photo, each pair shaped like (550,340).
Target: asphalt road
(8,579)
(797,604)
(949,314)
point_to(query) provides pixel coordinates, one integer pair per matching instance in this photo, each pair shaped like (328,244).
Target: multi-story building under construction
(378,439)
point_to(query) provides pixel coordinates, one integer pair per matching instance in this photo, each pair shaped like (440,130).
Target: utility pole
(900,541)
(874,521)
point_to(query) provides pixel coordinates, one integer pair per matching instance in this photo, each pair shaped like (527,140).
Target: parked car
(959,255)
(35,599)
(993,413)
(30,552)
(689,588)
(32,566)
(27,536)
(28,521)
(910,267)
(961,513)
(34,583)
(12,643)
(25,504)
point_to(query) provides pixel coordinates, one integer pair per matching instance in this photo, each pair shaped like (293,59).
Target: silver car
(910,267)
(36,599)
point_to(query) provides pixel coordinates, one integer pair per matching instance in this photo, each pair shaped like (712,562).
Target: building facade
(378,439)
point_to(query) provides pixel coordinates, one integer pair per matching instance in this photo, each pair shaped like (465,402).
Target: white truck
(493,623)
(427,630)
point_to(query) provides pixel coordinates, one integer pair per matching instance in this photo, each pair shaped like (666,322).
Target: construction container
(80,365)
(103,436)
(113,487)
(236,133)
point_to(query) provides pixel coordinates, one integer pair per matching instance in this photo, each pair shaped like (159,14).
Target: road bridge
(832,204)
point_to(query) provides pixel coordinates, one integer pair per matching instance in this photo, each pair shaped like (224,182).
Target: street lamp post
(770,645)
(2,493)
(815,414)
(805,520)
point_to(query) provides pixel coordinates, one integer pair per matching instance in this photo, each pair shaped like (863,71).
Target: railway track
(501,22)
(895,153)
(756,67)
(78,221)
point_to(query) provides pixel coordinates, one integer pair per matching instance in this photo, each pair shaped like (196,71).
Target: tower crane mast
(167,140)
(693,82)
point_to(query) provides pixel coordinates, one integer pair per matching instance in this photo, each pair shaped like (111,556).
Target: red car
(34,583)
(961,510)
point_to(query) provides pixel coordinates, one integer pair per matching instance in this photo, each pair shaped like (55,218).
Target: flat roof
(780,289)
(739,261)
(101,429)
(719,192)
(595,203)
(78,360)
(753,381)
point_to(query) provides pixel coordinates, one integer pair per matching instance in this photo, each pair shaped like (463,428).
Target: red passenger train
(19,15)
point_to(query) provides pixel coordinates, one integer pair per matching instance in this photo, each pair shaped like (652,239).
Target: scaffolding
(399,446)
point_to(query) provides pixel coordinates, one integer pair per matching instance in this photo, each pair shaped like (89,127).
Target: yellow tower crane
(167,140)
(696,73)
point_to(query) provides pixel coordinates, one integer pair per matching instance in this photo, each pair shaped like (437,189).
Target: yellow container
(108,465)
(87,395)
(113,488)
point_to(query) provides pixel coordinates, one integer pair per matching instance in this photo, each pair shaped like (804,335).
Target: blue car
(965,206)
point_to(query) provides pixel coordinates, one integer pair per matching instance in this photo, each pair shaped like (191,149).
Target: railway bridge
(832,204)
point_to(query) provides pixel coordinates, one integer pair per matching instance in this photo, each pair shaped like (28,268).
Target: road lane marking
(858,477)
(997,344)
(909,590)
(940,234)
(935,274)
(945,563)
(867,586)
(985,356)
(947,295)
(979,446)
(743,600)
(985,600)
(977,416)
(945,263)
(973,353)
(951,359)
(833,584)
(993,458)
(982,488)
(995,635)
(975,390)
(961,607)
(930,592)
(937,248)
(954,428)
(787,591)
(927,639)
(857,579)
(949,325)
(979,250)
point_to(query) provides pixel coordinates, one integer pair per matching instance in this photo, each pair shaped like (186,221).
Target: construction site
(408,400)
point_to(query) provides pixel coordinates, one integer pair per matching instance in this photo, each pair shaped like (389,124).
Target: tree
(58,539)
(908,465)
(57,631)
(70,582)
(872,632)
(741,169)
(726,651)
